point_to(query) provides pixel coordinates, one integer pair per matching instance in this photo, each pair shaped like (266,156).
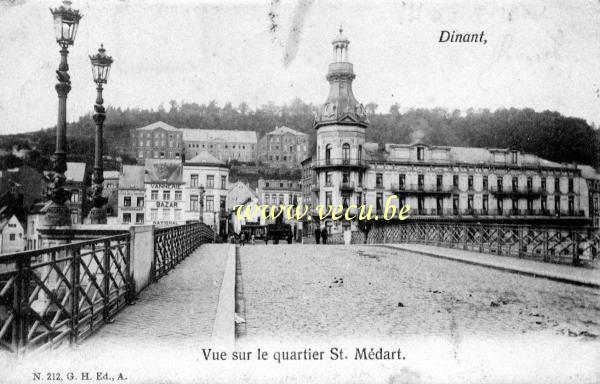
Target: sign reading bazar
(166,204)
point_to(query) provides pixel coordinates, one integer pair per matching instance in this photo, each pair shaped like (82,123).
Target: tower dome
(341,106)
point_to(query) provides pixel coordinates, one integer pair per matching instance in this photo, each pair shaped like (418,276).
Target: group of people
(321,234)
(243,238)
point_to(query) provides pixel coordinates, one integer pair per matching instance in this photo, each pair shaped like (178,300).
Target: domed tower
(340,125)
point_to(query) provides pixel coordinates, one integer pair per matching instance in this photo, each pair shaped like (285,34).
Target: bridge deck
(177,311)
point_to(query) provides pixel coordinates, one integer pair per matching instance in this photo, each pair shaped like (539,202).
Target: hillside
(546,134)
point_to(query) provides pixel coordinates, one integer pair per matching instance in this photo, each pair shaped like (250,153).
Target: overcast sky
(539,54)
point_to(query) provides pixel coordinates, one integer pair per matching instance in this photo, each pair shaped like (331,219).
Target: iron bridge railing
(575,245)
(173,244)
(60,295)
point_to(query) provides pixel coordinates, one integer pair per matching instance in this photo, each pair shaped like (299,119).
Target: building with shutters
(440,183)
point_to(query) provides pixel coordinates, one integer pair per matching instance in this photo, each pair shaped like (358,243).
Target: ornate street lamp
(100,69)
(66,21)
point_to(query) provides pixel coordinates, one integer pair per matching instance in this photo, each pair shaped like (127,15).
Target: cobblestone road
(335,291)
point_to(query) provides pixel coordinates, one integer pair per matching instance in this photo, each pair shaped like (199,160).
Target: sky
(539,54)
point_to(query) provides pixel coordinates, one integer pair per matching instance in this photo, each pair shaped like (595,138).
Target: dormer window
(514,157)
(420,153)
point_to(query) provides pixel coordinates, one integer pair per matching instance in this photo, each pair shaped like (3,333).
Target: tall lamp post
(100,69)
(66,21)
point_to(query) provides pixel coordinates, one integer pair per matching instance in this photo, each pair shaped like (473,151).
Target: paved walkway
(178,310)
(564,273)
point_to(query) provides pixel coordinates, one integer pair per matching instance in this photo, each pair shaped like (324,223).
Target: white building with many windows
(206,181)
(164,186)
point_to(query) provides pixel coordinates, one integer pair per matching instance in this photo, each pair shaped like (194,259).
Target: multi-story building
(163,141)
(156,141)
(283,147)
(205,191)
(131,196)
(225,145)
(439,183)
(279,192)
(164,185)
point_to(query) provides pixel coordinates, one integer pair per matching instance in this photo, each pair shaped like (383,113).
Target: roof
(39,208)
(132,176)
(230,136)
(163,170)
(204,158)
(283,130)
(75,172)
(158,124)
(455,155)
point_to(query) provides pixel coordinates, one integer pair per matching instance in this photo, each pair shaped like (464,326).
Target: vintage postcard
(299,191)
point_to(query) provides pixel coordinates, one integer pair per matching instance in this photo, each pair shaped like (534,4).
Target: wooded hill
(547,134)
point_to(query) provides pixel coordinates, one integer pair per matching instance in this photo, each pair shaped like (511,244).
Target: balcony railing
(340,162)
(422,188)
(347,186)
(510,191)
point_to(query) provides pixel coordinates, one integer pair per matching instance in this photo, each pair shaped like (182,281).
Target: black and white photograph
(299,191)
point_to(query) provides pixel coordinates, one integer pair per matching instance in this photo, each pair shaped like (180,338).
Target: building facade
(283,147)
(12,235)
(225,145)
(205,192)
(164,185)
(131,195)
(439,183)
(156,141)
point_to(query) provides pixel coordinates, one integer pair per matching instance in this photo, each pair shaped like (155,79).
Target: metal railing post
(106,282)
(75,285)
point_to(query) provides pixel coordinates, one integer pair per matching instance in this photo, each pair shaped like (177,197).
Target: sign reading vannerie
(165,186)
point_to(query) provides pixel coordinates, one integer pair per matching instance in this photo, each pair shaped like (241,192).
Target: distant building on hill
(283,146)
(163,141)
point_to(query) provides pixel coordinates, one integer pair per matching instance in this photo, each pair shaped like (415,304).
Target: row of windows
(233,146)
(209,205)
(346,201)
(166,195)
(291,148)
(280,199)
(210,181)
(484,184)
(139,218)
(157,154)
(139,200)
(158,135)
(159,143)
(166,215)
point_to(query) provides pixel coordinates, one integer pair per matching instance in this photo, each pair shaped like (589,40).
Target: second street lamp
(100,69)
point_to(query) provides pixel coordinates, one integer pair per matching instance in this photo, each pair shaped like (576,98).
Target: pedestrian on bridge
(317,235)
(324,235)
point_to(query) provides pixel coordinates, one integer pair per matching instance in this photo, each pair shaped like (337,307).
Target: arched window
(328,153)
(346,152)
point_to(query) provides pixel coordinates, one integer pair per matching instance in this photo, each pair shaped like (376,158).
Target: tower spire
(341,106)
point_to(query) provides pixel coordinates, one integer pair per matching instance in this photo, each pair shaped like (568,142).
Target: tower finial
(341,29)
